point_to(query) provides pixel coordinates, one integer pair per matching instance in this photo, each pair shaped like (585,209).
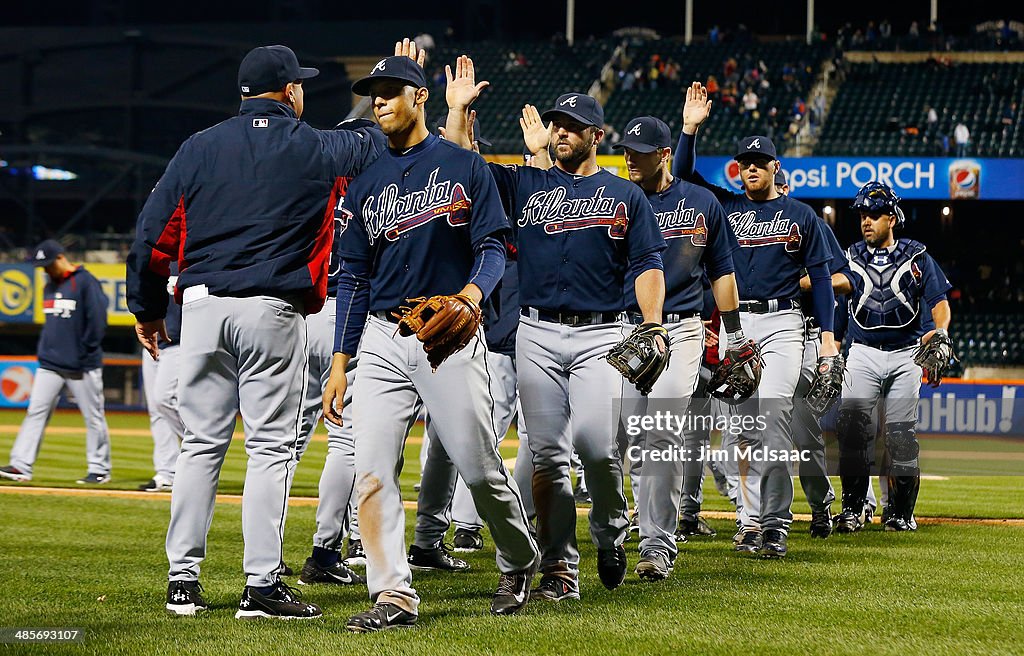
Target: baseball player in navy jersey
(890,279)
(246,209)
(580,230)
(70,355)
(698,237)
(425,219)
(779,237)
(160,379)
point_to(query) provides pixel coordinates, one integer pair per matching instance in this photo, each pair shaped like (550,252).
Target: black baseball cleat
(512,594)
(897,523)
(698,528)
(467,540)
(556,588)
(435,558)
(750,542)
(14,474)
(653,566)
(184,598)
(284,570)
(382,616)
(338,574)
(611,566)
(94,479)
(848,521)
(283,603)
(821,523)
(354,554)
(773,544)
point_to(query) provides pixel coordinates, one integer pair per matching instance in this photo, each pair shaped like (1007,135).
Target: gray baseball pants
(87,389)
(248,355)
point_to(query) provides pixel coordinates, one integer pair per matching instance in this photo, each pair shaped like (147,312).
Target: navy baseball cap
(45,253)
(780,178)
(270,68)
(579,107)
(756,144)
(397,67)
(645,134)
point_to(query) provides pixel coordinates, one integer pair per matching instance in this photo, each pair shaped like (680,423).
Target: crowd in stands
(881,35)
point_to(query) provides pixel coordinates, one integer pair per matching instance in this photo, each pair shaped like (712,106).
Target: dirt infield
(411,505)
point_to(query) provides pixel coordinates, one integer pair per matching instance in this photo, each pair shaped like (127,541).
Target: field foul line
(411,505)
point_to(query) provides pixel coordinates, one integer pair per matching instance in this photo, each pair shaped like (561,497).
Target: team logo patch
(570,101)
(261,122)
(557,213)
(751,233)
(635,130)
(756,143)
(393,214)
(379,66)
(683,222)
(59,306)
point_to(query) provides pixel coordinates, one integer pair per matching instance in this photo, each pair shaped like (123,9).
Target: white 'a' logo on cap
(245,89)
(40,255)
(756,143)
(379,67)
(570,101)
(635,130)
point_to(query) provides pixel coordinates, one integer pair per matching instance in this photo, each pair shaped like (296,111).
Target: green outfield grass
(98,564)
(984,477)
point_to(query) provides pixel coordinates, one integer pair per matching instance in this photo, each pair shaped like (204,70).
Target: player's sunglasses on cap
(396,67)
(270,68)
(45,253)
(579,107)
(645,134)
(756,145)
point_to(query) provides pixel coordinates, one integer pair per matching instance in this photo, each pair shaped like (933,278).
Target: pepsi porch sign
(930,178)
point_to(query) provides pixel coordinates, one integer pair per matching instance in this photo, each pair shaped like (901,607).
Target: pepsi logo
(732,175)
(965,178)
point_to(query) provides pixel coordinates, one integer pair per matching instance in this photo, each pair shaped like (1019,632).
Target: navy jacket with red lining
(246,208)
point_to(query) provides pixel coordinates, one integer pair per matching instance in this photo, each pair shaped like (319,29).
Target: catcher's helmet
(878,197)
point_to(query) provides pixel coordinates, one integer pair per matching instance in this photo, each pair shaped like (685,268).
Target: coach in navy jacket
(70,356)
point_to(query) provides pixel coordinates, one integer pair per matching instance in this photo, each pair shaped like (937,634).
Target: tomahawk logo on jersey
(393,213)
(558,213)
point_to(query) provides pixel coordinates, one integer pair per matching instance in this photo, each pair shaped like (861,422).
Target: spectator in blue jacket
(69,355)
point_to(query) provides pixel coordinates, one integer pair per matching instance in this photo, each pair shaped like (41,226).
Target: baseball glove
(935,357)
(639,358)
(736,379)
(827,384)
(445,324)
